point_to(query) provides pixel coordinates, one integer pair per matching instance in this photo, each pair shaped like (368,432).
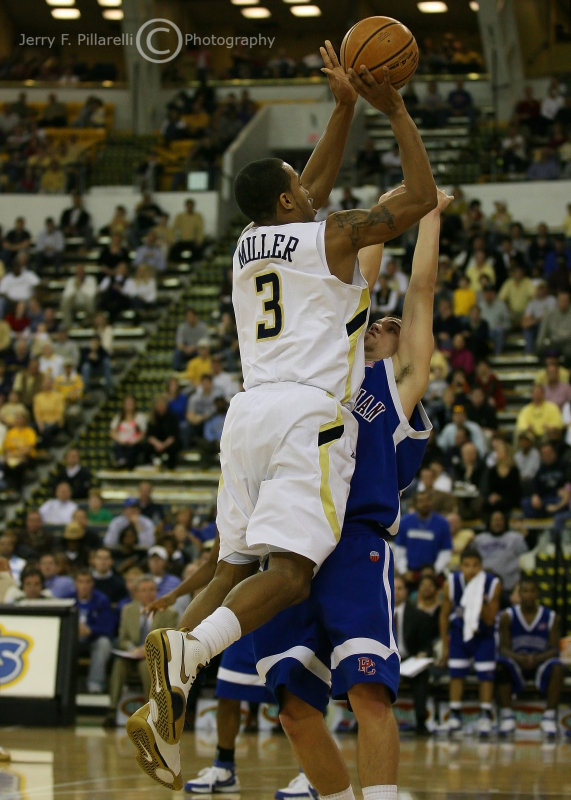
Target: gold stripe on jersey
(354,327)
(329,433)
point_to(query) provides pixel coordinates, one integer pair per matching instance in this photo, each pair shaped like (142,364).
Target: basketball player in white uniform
(288,443)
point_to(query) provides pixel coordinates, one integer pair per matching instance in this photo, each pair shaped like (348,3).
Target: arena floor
(88,763)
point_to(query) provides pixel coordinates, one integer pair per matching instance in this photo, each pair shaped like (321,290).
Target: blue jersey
(423,539)
(456,586)
(530,637)
(386,439)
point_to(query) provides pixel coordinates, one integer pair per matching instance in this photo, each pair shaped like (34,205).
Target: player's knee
(370,700)
(557,673)
(292,577)
(294,716)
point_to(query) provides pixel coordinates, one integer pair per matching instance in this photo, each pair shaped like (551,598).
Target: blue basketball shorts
(343,635)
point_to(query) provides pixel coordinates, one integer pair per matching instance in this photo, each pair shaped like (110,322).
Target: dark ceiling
(209,16)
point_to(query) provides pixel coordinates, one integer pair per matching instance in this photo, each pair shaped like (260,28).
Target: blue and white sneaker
(297,787)
(214,780)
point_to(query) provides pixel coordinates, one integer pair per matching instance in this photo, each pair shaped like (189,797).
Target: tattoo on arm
(356,221)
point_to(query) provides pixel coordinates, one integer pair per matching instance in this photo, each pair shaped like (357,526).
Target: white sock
(346,795)
(386,792)
(218,631)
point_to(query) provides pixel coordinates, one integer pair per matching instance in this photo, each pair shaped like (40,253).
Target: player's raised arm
(370,257)
(321,170)
(412,358)
(348,231)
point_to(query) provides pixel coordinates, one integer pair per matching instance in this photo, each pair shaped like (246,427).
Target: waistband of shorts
(357,526)
(280,386)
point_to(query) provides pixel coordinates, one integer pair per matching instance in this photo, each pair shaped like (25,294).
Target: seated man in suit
(414,629)
(134,626)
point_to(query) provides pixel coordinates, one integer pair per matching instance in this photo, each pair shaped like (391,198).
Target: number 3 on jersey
(269,286)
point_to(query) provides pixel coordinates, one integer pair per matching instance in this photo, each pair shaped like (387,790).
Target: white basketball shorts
(287,457)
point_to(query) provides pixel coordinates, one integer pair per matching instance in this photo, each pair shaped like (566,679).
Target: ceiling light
(305,11)
(256,13)
(474,5)
(113,13)
(66,13)
(244,2)
(296,2)
(432,7)
(61,3)
(110,3)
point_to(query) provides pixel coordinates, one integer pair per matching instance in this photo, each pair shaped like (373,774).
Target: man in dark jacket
(413,631)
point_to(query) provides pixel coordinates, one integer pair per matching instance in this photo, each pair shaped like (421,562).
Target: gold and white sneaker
(161,761)
(173,661)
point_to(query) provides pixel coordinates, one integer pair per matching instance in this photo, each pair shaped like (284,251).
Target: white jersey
(296,321)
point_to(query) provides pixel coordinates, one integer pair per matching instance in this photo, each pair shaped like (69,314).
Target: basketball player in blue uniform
(529,650)
(348,620)
(467,641)
(301,307)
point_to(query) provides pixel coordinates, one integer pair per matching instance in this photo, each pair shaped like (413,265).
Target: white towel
(471,602)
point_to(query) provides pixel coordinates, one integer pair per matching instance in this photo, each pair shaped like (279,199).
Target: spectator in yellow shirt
(188,233)
(70,386)
(49,411)
(517,292)
(19,445)
(201,364)
(53,179)
(464,297)
(540,417)
(480,267)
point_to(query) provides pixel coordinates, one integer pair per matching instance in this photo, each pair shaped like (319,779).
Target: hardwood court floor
(88,763)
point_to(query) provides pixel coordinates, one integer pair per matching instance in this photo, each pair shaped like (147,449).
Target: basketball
(379,42)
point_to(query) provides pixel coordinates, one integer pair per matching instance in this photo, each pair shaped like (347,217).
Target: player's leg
(314,747)
(458,667)
(221,776)
(455,694)
(509,680)
(377,739)
(365,655)
(549,678)
(226,577)
(485,666)
(237,680)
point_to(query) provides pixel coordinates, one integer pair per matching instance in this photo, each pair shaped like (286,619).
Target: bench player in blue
(465,644)
(348,620)
(529,650)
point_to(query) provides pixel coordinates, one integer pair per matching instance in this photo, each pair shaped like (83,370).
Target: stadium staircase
(145,362)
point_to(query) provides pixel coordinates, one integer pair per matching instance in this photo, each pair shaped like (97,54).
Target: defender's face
(302,200)
(382,339)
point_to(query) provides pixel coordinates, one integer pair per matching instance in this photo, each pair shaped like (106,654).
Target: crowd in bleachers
(496,282)
(39,153)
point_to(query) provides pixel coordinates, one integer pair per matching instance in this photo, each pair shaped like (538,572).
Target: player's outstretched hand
(161,603)
(442,200)
(339,83)
(380,94)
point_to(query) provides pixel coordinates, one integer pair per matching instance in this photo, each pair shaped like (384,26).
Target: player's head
(382,338)
(470,562)
(528,592)
(269,191)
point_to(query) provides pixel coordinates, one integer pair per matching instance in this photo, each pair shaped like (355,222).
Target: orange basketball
(379,42)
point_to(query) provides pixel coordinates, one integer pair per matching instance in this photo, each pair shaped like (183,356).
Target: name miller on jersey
(254,248)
